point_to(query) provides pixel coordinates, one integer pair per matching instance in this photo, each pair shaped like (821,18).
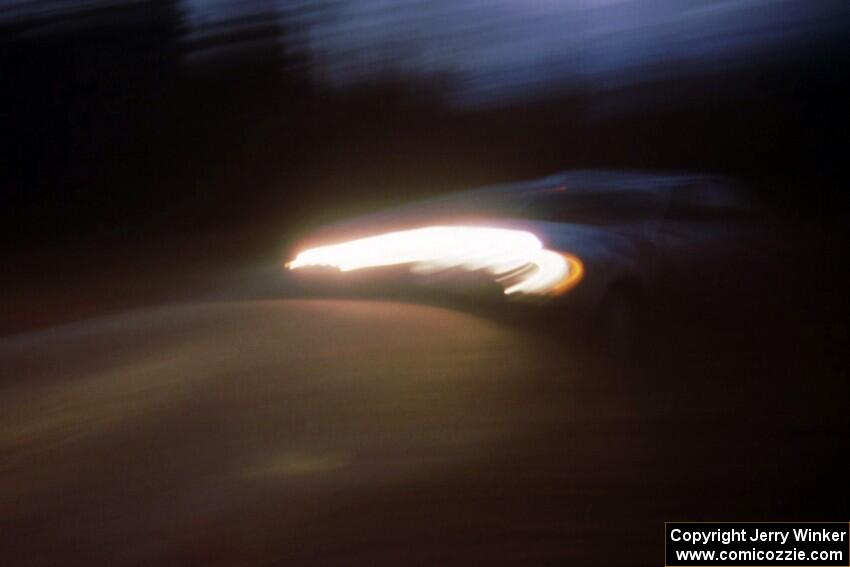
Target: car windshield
(598,207)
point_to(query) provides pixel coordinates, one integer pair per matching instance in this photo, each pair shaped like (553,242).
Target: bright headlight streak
(432,249)
(551,269)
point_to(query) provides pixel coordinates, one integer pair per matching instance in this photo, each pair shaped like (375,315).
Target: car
(610,247)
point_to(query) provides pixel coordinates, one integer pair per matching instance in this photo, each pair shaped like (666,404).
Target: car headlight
(515,258)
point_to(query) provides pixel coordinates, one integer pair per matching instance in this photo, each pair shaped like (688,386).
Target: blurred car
(607,246)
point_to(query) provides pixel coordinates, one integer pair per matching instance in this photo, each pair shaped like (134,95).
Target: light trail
(515,258)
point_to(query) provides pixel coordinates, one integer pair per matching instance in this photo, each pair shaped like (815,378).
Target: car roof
(591,181)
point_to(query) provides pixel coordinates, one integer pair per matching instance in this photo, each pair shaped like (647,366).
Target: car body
(632,237)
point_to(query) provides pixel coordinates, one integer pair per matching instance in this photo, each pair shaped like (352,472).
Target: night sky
(510,48)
